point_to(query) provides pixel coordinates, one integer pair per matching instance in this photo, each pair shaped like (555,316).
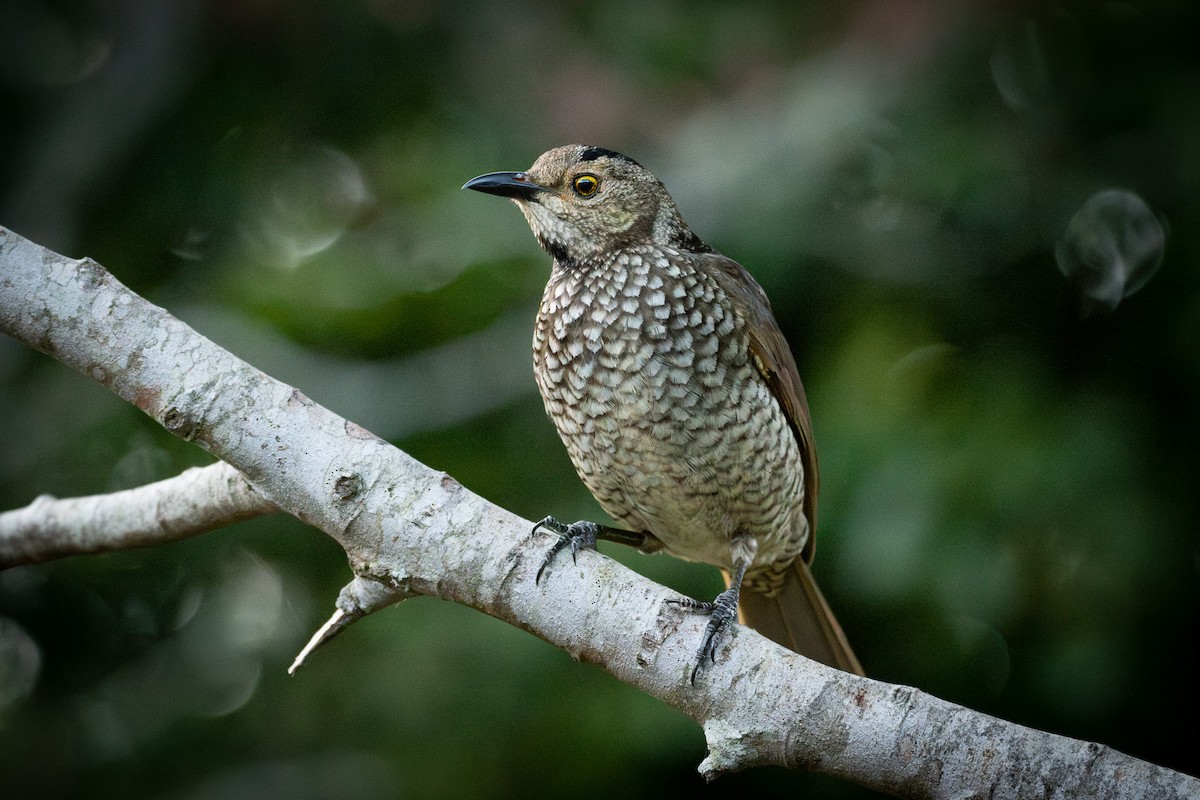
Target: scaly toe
(578,535)
(723,611)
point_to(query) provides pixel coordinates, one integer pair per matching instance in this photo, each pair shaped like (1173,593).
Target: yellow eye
(585,185)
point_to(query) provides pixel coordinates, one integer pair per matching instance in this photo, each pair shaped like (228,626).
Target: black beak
(505,184)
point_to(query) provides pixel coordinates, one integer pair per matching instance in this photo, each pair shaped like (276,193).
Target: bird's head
(583,202)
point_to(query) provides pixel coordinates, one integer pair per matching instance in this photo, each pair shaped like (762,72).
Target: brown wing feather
(774,360)
(797,616)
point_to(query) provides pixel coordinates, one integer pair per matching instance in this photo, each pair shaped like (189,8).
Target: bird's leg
(582,535)
(723,609)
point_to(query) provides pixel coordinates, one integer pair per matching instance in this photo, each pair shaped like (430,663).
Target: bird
(664,370)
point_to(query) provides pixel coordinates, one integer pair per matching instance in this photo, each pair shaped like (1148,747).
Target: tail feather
(799,618)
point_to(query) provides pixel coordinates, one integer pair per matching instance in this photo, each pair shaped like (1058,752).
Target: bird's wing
(775,363)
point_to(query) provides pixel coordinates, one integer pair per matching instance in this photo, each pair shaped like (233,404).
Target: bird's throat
(557,250)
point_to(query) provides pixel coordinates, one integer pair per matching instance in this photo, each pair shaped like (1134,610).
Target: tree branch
(197,501)
(409,530)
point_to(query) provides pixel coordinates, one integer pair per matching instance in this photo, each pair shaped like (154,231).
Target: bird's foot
(722,612)
(578,536)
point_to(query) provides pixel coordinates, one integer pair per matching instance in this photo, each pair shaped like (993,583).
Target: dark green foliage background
(1009,508)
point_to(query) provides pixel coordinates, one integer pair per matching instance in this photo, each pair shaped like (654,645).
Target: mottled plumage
(665,373)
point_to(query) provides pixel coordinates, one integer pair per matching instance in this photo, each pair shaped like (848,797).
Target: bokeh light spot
(1113,245)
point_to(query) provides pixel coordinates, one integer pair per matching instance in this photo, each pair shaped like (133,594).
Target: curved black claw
(579,535)
(722,611)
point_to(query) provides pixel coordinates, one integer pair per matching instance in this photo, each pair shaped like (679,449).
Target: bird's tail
(799,618)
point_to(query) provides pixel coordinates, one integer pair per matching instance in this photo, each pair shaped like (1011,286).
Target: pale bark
(197,501)
(409,530)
